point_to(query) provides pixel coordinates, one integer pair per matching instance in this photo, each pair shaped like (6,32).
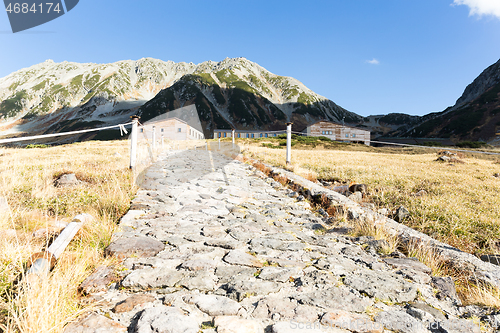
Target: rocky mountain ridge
(474,117)
(55,97)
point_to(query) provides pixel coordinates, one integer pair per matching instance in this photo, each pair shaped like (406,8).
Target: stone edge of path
(478,270)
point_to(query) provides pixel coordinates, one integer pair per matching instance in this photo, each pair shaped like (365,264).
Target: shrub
(471,144)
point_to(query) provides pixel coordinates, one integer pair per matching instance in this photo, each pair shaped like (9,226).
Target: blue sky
(370,57)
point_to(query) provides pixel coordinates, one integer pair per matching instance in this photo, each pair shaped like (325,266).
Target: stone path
(212,245)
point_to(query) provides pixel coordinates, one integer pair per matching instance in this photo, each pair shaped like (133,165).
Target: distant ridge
(54,97)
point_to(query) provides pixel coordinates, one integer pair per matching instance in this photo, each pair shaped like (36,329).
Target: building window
(142,130)
(354,135)
(347,135)
(179,130)
(261,135)
(238,135)
(219,134)
(266,135)
(248,135)
(253,136)
(225,134)
(162,130)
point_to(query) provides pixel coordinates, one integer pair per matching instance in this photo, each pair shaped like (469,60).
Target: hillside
(474,117)
(54,97)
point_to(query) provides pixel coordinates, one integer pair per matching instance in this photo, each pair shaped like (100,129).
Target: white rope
(123,130)
(27,138)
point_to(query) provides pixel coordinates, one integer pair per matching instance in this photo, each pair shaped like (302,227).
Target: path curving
(213,245)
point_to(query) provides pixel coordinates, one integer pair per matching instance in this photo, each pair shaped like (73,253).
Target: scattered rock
(351,321)
(363,188)
(229,324)
(382,285)
(98,281)
(214,305)
(401,214)
(129,304)
(443,159)
(356,196)
(491,258)
(165,319)
(239,257)
(95,323)
(399,321)
(496,174)
(67,180)
(410,263)
(446,288)
(417,309)
(420,193)
(417,276)
(383,211)
(334,298)
(148,278)
(139,246)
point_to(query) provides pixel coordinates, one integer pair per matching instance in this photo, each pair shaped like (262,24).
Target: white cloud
(481,7)
(373,61)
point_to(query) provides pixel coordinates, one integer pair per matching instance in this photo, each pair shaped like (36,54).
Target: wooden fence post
(133,142)
(288,143)
(41,263)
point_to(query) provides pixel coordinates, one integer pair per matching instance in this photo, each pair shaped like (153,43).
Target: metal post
(219,143)
(133,142)
(232,135)
(162,143)
(288,143)
(154,138)
(206,145)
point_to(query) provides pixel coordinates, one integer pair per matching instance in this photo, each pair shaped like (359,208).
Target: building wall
(171,129)
(338,132)
(330,130)
(244,134)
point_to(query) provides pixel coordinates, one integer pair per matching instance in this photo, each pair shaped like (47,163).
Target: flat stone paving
(213,245)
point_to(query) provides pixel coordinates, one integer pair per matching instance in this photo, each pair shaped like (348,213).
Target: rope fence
(145,148)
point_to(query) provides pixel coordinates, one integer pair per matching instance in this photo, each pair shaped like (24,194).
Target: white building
(171,129)
(338,132)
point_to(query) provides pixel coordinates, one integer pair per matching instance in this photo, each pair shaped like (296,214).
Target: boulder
(67,180)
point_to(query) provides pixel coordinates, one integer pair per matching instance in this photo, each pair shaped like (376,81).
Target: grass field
(37,210)
(458,205)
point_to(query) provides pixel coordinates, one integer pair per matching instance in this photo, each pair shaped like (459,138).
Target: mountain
(241,94)
(474,117)
(56,97)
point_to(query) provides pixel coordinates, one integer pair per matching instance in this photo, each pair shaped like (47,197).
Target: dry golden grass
(460,206)
(27,182)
